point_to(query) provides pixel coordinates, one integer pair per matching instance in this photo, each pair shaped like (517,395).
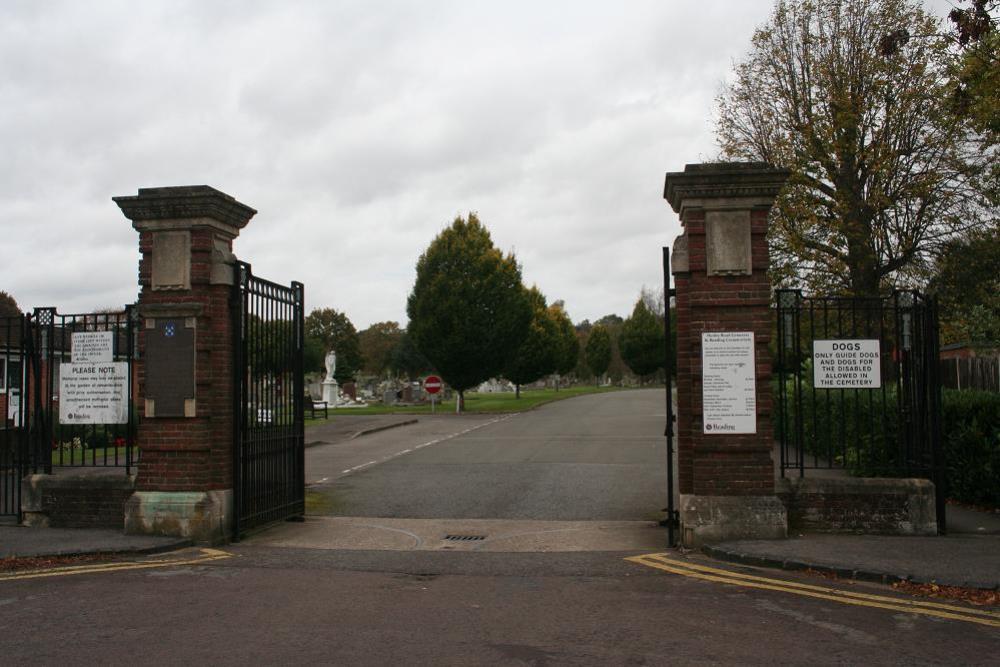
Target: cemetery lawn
(477,403)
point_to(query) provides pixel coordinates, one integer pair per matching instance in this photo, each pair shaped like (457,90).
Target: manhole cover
(464,538)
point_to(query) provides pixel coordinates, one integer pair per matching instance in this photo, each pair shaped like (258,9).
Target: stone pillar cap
(716,180)
(182,202)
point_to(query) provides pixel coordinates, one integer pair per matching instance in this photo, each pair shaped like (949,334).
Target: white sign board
(846,364)
(728,382)
(93,393)
(92,347)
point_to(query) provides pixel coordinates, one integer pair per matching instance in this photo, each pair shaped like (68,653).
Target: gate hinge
(672,519)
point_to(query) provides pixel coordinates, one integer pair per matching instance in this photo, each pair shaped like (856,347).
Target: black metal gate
(857,386)
(269,438)
(41,430)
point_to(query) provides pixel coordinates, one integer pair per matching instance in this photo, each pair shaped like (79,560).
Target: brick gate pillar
(720,264)
(184,483)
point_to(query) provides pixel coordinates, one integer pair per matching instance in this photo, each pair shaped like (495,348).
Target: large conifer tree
(468,310)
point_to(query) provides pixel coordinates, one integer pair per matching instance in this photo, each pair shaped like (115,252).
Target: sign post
(432,385)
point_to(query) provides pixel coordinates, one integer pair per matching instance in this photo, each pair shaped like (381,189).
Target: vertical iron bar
(298,313)
(782,416)
(799,425)
(669,430)
(934,386)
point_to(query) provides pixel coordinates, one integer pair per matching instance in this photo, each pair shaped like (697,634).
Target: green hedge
(852,429)
(970,429)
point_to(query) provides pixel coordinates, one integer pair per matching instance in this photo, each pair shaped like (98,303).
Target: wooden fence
(975,373)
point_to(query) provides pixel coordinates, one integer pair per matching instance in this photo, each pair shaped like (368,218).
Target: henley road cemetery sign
(728,382)
(846,364)
(93,388)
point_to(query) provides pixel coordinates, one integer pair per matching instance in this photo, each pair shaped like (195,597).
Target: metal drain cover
(464,538)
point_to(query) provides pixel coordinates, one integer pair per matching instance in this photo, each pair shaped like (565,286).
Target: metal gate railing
(14,425)
(61,437)
(879,417)
(269,437)
(41,430)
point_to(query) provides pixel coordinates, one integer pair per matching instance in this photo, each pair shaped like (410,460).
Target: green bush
(970,429)
(854,429)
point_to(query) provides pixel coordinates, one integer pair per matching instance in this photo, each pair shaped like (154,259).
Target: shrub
(970,429)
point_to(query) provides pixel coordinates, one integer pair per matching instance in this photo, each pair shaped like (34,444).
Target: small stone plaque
(727,243)
(171,261)
(170,367)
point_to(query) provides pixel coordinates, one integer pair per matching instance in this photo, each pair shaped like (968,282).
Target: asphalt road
(268,600)
(264,606)
(598,457)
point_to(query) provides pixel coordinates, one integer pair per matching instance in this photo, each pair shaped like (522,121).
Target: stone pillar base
(203,516)
(710,519)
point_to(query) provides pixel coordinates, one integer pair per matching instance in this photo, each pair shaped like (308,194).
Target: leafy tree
(975,80)
(598,351)
(377,343)
(967,285)
(271,347)
(8,306)
(567,344)
(407,359)
(332,330)
(535,357)
(468,310)
(641,341)
(850,95)
(976,70)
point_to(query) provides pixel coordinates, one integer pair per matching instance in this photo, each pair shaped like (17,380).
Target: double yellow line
(688,569)
(205,556)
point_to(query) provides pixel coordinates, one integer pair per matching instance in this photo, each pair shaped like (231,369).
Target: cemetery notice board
(728,382)
(93,388)
(847,364)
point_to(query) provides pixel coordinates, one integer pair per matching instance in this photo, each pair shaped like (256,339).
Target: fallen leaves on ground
(977,596)
(17,564)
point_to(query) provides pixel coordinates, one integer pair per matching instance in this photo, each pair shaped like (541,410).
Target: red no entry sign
(432,384)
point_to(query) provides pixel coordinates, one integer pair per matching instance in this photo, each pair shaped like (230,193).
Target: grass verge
(478,403)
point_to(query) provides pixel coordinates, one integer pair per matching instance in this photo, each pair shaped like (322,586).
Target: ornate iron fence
(67,385)
(857,386)
(82,381)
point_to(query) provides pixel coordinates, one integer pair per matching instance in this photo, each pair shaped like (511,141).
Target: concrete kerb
(349,435)
(383,427)
(875,576)
(39,548)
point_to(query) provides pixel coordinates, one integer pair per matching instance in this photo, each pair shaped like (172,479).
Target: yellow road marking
(662,558)
(686,569)
(207,555)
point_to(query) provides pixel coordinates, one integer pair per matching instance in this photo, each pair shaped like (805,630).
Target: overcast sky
(358,130)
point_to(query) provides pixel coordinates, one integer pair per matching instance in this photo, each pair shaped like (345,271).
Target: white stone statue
(331,388)
(331,364)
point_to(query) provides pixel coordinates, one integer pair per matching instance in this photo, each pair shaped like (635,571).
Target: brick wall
(731,464)
(78,499)
(859,505)
(192,454)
